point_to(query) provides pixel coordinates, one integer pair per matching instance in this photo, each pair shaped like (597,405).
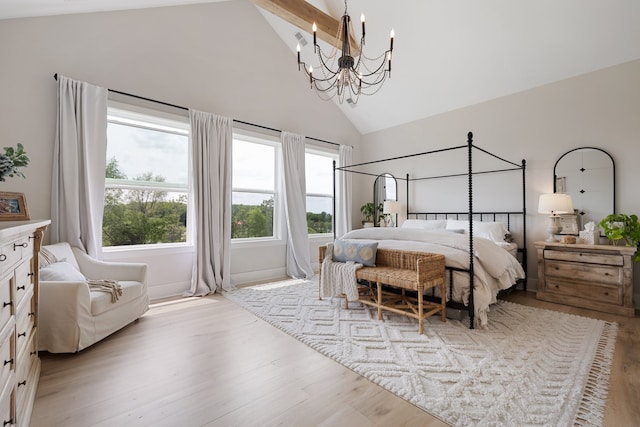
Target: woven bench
(396,272)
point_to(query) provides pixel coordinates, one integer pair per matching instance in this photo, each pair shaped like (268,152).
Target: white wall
(599,109)
(219,57)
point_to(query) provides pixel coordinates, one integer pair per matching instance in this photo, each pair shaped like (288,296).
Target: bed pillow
(61,272)
(425,224)
(351,250)
(494,231)
(457,225)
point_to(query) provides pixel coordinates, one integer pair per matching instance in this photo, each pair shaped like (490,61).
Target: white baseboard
(258,276)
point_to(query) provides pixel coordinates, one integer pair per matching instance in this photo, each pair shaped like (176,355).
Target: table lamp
(391,208)
(554,204)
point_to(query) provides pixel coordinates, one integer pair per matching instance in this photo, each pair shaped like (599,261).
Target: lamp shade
(555,203)
(390,207)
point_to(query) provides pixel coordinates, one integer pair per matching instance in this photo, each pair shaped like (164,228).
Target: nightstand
(597,277)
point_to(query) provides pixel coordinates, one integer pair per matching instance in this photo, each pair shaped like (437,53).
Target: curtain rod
(55,76)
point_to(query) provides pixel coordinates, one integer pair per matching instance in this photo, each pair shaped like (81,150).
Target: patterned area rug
(529,367)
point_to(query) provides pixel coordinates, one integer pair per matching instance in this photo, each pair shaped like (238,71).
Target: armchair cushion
(61,272)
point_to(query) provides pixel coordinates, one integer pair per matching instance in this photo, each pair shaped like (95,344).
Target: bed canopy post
(471,272)
(407,197)
(524,225)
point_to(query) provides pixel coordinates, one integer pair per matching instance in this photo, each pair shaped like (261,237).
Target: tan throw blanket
(109,286)
(338,278)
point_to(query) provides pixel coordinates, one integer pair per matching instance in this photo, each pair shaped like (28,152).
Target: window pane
(319,174)
(251,215)
(319,214)
(253,166)
(141,217)
(147,155)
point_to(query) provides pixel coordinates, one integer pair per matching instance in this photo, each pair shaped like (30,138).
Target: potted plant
(11,162)
(622,228)
(368,210)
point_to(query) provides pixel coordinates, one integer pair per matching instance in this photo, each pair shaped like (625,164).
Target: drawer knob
(3,257)
(31,314)
(33,353)
(22,383)
(21,245)
(21,288)
(6,362)
(22,334)
(30,274)
(4,304)
(8,422)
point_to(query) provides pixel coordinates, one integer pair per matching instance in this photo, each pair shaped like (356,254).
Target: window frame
(278,205)
(334,156)
(126,114)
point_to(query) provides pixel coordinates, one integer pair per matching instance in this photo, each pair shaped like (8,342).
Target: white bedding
(494,267)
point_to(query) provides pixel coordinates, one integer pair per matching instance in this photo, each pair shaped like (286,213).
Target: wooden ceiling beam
(302,15)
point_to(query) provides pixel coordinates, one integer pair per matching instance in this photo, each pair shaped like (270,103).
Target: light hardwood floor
(205,361)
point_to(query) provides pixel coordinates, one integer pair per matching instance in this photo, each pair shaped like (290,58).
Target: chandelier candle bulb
(315,29)
(392,34)
(298,49)
(362,20)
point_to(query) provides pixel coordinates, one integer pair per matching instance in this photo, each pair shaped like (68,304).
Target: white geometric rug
(530,366)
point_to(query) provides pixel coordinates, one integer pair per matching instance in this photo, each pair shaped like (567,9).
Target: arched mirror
(587,174)
(385,187)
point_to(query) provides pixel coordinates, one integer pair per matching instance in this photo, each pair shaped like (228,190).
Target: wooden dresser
(20,243)
(597,277)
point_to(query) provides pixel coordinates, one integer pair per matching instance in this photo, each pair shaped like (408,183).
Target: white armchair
(73,317)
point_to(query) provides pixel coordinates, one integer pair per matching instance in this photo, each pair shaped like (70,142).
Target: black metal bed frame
(470,214)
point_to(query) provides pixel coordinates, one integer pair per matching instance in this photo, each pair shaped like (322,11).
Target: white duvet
(494,268)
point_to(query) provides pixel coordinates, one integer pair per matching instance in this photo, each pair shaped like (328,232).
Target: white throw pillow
(425,224)
(61,272)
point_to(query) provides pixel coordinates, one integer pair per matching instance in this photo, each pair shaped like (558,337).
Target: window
(254,188)
(319,182)
(147,178)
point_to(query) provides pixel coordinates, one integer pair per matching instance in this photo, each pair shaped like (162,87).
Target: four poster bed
(473,281)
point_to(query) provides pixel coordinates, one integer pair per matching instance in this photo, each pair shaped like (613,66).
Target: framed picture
(13,207)
(570,223)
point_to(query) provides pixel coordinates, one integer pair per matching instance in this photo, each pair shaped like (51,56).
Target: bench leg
(420,310)
(443,300)
(379,302)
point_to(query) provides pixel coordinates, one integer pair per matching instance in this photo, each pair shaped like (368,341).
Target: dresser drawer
(586,257)
(601,293)
(25,321)
(6,350)
(6,397)
(584,272)
(9,257)
(6,304)
(27,374)
(23,281)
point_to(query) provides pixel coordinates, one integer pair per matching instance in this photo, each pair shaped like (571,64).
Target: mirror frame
(613,170)
(381,178)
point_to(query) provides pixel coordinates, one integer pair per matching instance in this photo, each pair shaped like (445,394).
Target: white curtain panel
(343,194)
(212,141)
(79,162)
(298,261)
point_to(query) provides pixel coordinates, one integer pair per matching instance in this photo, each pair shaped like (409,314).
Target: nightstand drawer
(586,257)
(584,272)
(588,291)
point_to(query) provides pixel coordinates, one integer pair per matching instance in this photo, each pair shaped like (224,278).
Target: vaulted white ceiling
(447,54)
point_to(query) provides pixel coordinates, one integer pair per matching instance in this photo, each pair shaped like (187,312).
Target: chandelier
(341,75)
